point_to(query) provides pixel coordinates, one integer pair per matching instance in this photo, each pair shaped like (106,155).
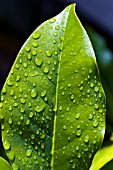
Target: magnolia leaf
(53,102)
(4,165)
(102,157)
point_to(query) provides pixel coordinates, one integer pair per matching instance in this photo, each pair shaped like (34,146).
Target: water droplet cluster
(50,84)
(27,97)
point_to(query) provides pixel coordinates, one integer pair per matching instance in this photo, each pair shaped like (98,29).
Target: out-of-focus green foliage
(103,156)
(105,63)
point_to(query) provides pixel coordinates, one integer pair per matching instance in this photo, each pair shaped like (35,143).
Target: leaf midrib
(54,129)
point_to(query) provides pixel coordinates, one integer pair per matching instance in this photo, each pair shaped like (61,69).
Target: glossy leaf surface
(4,165)
(53,113)
(102,157)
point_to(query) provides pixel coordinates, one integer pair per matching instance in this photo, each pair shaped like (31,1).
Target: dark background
(19,18)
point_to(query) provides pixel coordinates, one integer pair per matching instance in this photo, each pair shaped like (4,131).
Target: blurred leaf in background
(105,63)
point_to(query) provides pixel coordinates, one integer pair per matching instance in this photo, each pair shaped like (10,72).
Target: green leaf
(4,165)
(53,102)
(102,157)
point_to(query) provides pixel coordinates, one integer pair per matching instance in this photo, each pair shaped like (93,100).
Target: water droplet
(29,152)
(27,122)
(43,93)
(77,148)
(35,44)
(96,89)
(4,90)
(18,78)
(96,106)
(15,166)
(77,116)
(22,100)
(73,166)
(38,61)
(9,83)
(79,155)
(69,85)
(32,136)
(42,145)
(72,97)
(27,48)
(6,145)
(63,29)
(22,110)
(86,139)
(90,116)
(62,38)
(29,56)
(64,127)
(33,93)
(40,108)
(59,47)
(10,121)
(78,133)
(57,27)
(55,34)
(36,35)
(30,114)
(81,88)
(49,53)
(60,108)
(46,70)
(34,53)
(90,71)
(92,85)
(95,123)
(52,20)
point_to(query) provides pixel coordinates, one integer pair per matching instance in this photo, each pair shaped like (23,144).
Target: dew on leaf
(95,123)
(22,100)
(79,155)
(78,133)
(28,122)
(55,34)
(64,127)
(15,166)
(77,148)
(35,44)
(27,48)
(77,116)
(86,139)
(4,90)
(9,83)
(59,47)
(36,35)
(48,53)
(6,145)
(46,70)
(38,61)
(96,89)
(30,114)
(10,121)
(33,93)
(40,108)
(34,53)
(52,20)
(90,116)
(29,152)
(96,106)
(29,56)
